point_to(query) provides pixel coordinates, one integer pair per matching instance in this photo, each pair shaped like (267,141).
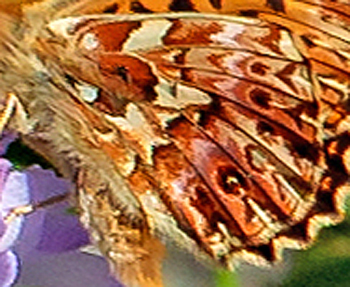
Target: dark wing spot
(277,5)
(70,80)
(326,201)
(307,150)
(123,73)
(299,231)
(248,13)
(260,97)
(264,127)
(343,142)
(259,68)
(347,105)
(181,5)
(181,57)
(111,9)
(265,251)
(312,109)
(335,153)
(309,108)
(308,42)
(206,113)
(216,4)
(231,180)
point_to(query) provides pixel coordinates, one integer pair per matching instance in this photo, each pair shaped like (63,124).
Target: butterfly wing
(242,123)
(227,133)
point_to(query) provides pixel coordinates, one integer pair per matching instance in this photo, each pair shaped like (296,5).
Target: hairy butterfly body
(225,135)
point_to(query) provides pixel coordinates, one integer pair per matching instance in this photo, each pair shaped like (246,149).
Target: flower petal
(15,192)
(12,232)
(5,167)
(44,184)
(62,231)
(6,139)
(66,270)
(9,268)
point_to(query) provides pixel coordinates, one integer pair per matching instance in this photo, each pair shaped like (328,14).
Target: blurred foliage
(226,278)
(22,156)
(327,263)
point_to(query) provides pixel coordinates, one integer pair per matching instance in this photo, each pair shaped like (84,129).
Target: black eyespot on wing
(261,98)
(307,150)
(111,9)
(216,4)
(123,73)
(265,127)
(277,5)
(181,5)
(248,13)
(231,180)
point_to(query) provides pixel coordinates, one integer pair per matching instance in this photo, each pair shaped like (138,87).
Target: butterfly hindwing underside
(219,133)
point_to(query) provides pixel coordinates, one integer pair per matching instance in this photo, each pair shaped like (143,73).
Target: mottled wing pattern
(239,124)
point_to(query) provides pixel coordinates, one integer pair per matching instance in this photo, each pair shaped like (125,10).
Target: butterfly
(225,134)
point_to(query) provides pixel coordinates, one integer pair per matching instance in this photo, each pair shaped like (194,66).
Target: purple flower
(8,267)
(46,243)
(9,231)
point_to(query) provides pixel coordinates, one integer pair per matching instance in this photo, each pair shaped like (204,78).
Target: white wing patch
(182,96)
(148,36)
(135,126)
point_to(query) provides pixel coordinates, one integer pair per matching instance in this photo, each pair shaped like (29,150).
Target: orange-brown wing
(242,124)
